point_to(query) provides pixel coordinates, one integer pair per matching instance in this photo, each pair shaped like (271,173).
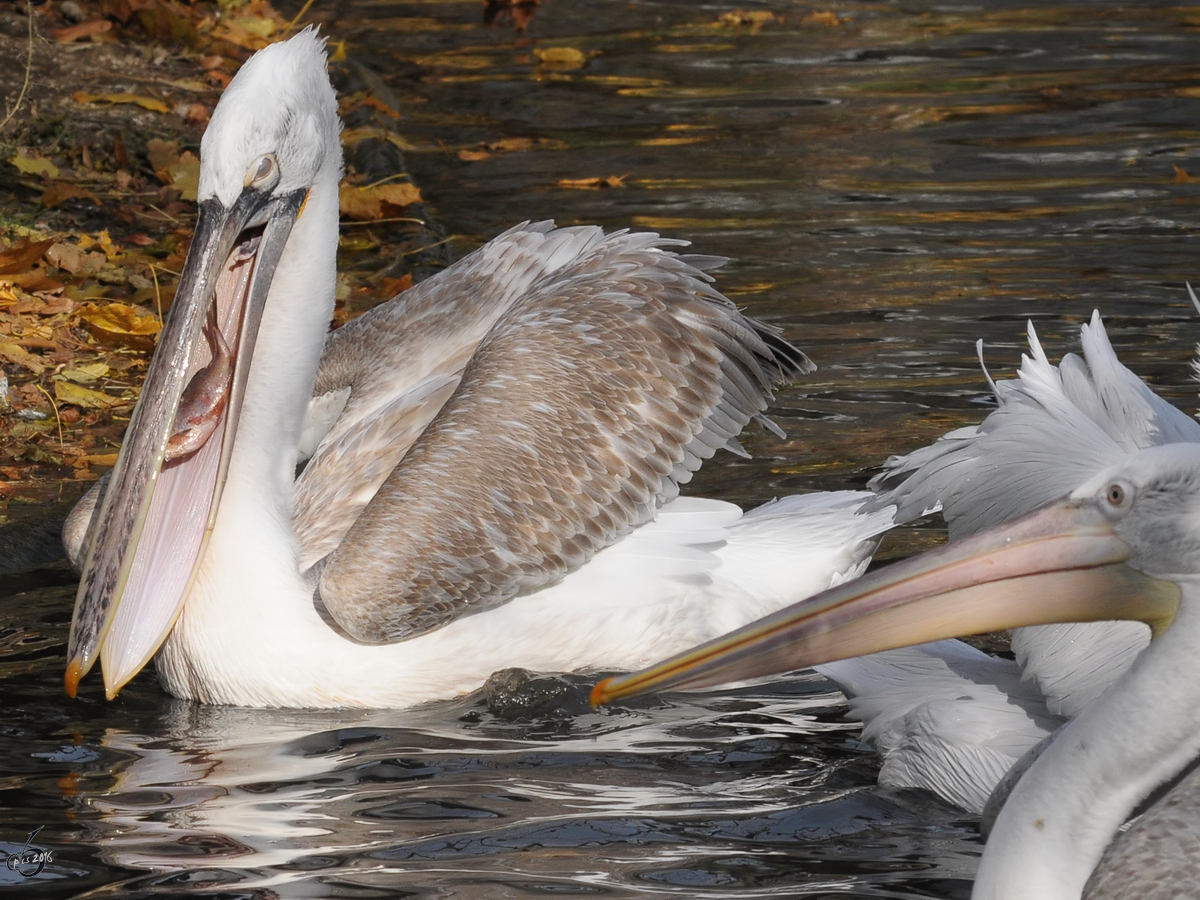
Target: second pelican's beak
(151,528)
(1062,563)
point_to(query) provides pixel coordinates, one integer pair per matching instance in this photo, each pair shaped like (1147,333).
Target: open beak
(1062,563)
(150,532)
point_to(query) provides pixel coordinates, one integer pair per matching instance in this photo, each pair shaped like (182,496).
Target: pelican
(491,461)
(946,717)
(1123,545)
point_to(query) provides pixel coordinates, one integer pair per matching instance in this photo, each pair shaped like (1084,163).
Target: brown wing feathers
(590,399)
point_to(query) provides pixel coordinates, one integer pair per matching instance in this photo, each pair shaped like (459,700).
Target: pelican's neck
(1066,809)
(290,340)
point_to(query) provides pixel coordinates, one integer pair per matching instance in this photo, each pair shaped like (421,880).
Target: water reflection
(891,183)
(717,792)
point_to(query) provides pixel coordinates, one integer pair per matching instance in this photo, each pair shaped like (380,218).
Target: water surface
(890,182)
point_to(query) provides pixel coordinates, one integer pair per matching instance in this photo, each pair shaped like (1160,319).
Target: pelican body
(1122,545)
(491,462)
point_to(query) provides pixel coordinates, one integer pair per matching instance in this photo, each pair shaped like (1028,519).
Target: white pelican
(493,458)
(945,716)
(1123,545)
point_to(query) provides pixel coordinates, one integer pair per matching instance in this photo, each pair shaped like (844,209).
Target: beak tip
(73,676)
(600,693)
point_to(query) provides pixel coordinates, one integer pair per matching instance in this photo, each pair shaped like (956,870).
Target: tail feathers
(943,716)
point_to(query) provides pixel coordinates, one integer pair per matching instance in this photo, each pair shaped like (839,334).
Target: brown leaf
(592,184)
(22,257)
(181,170)
(60,192)
(1182,176)
(473,155)
(22,357)
(372,202)
(120,325)
(82,30)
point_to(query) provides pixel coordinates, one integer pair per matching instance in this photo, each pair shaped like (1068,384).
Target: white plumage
(492,460)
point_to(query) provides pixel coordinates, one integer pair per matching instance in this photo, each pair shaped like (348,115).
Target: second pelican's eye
(1118,497)
(261,171)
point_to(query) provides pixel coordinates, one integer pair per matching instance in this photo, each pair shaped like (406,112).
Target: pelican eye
(262,171)
(1118,497)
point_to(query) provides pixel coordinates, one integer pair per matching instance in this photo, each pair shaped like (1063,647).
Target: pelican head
(265,239)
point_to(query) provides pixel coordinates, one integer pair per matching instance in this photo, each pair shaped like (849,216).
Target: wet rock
(517,694)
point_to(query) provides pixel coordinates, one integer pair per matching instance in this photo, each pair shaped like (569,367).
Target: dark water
(891,182)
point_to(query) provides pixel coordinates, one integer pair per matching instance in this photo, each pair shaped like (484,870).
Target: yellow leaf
(149,103)
(87,242)
(185,177)
(84,374)
(22,357)
(259,27)
(118,324)
(34,165)
(369,202)
(65,392)
(560,57)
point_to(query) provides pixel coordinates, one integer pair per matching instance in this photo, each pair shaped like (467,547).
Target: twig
(348,224)
(386,180)
(57,418)
(164,214)
(157,294)
(299,16)
(28,70)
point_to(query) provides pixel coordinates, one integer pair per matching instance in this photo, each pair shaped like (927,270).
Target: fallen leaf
(519,143)
(181,170)
(353,136)
(118,324)
(84,374)
(82,30)
(150,103)
(193,113)
(103,241)
(370,202)
(756,18)
(22,357)
(592,184)
(60,192)
(101,459)
(473,155)
(21,258)
(822,17)
(560,57)
(66,392)
(1182,176)
(34,165)
(67,257)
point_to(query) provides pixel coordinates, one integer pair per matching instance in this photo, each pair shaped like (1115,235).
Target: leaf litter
(98,208)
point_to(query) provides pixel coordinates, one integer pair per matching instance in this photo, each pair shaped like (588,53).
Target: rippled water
(891,182)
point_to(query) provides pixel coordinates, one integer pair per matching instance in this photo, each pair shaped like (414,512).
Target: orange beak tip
(72,678)
(599,695)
